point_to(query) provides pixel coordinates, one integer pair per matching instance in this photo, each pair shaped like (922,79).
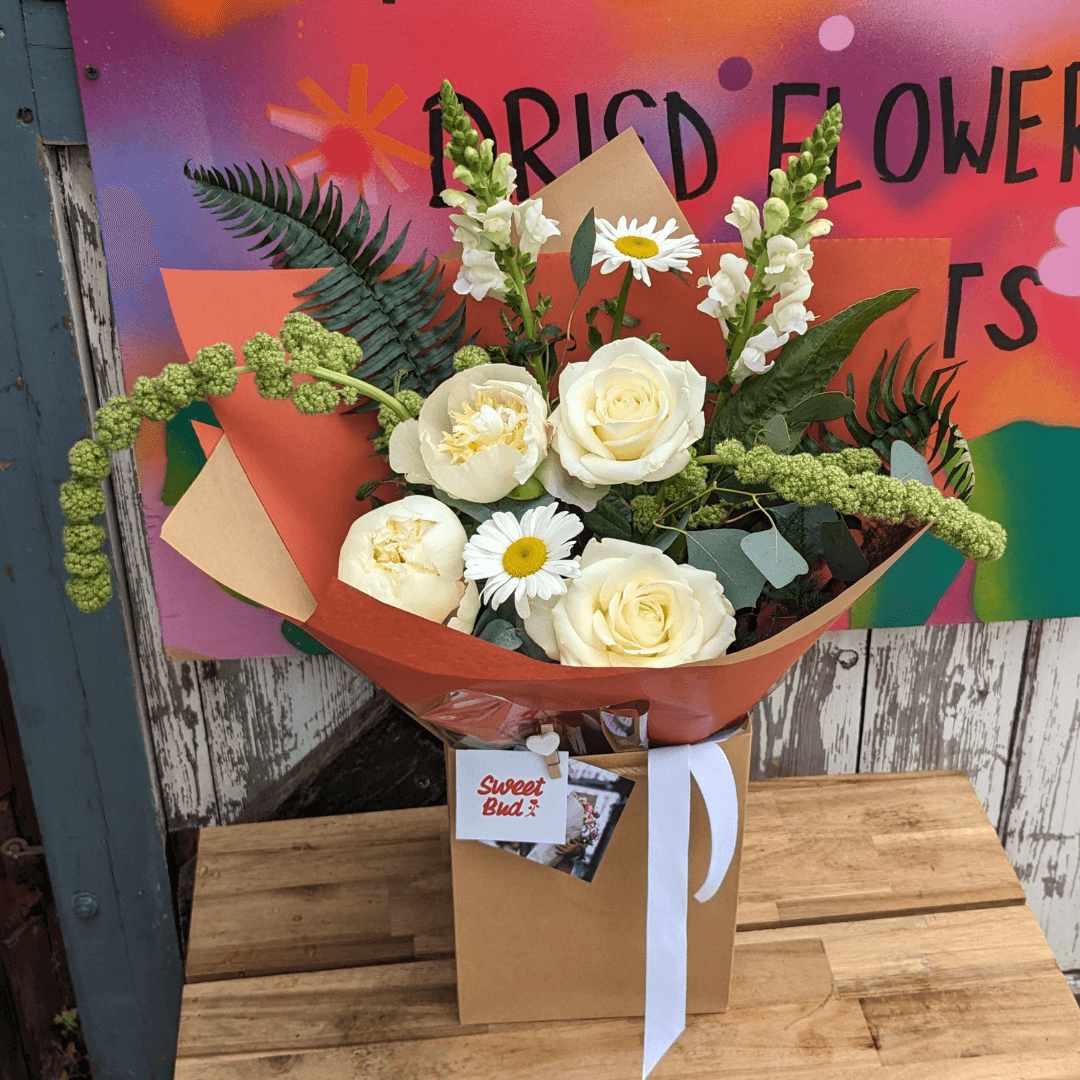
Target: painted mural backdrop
(961,120)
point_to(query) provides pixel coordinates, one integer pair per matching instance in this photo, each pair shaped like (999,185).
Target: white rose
(628,414)
(480,434)
(632,606)
(408,554)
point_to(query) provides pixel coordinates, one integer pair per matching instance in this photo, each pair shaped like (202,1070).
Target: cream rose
(409,554)
(480,434)
(633,606)
(628,414)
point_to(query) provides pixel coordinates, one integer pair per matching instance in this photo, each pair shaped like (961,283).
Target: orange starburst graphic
(350,144)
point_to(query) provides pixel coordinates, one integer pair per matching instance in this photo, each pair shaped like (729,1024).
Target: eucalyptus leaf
(906,463)
(611,517)
(501,633)
(719,550)
(831,406)
(581,250)
(846,561)
(803,368)
(774,557)
(778,436)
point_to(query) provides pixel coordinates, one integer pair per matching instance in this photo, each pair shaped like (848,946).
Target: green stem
(620,304)
(753,302)
(519,287)
(365,388)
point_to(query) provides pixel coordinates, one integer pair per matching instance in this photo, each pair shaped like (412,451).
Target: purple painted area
(735,73)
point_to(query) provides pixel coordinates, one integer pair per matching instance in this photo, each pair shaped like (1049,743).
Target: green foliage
(920,418)
(393,318)
(803,368)
(581,250)
(808,480)
(611,517)
(720,551)
(846,560)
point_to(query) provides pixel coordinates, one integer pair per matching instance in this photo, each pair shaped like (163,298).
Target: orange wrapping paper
(304,472)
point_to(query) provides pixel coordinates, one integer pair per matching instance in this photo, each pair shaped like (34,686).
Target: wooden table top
(882,934)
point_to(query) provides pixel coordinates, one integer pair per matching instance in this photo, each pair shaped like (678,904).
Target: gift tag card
(508,795)
(595,799)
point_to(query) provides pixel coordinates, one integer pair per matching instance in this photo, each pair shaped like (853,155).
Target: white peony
(627,415)
(632,606)
(478,436)
(409,554)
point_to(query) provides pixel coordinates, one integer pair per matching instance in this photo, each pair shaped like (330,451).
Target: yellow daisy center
(525,556)
(637,247)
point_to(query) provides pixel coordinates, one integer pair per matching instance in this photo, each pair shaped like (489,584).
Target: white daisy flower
(643,248)
(523,559)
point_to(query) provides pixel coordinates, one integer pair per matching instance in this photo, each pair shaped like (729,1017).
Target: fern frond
(392,318)
(922,418)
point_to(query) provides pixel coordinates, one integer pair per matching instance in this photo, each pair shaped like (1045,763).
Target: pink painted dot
(836,33)
(1059,271)
(1067,225)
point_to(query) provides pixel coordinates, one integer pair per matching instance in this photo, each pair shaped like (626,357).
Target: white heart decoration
(544,745)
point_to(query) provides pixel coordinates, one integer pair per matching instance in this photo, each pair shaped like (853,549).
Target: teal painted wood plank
(70,675)
(52,69)
(56,90)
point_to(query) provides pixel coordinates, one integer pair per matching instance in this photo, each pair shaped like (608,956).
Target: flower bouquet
(627,539)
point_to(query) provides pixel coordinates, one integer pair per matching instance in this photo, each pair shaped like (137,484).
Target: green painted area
(300,639)
(1034,494)
(184,456)
(1026,478)
(910,591)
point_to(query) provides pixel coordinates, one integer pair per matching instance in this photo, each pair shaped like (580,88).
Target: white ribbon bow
(670,769)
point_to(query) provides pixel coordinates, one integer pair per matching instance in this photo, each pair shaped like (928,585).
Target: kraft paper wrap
(304,471)
(536,944)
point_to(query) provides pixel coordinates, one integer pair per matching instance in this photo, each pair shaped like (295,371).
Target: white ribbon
(670,769)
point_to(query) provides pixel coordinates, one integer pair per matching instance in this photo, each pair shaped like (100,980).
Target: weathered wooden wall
(999,701)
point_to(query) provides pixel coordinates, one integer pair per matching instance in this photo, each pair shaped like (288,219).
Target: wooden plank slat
(834,1001)
(1041,826)
(173,702)
(944,697)
(266,713)
(809,722)
(271,897)
(321,893)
